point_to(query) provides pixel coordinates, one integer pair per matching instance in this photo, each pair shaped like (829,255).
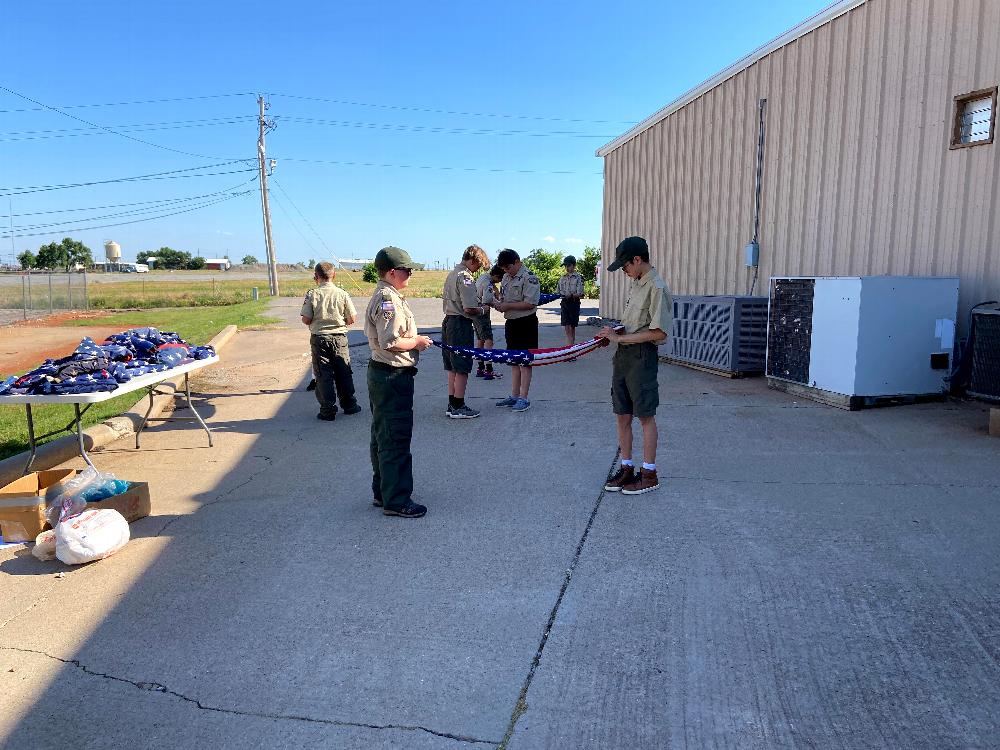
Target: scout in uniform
(486,295)
(520,291)
(328,311)
(395,347)
(571,288)
(461,306)
(634,388)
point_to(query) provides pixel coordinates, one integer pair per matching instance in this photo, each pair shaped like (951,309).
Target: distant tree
(311,263)
(587,265)
(547,266)
(27,260)
(64,254)
(369,273)
(165,258)
(249,260)
(196,263)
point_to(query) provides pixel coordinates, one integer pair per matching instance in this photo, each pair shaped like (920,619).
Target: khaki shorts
(483,327)
(634,387)
(457,331)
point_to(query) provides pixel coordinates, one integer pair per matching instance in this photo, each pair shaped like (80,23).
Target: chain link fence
(34,293)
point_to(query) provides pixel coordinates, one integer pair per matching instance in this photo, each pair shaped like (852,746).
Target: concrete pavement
(805,577)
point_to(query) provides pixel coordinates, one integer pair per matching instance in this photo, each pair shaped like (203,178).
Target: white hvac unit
(861,341)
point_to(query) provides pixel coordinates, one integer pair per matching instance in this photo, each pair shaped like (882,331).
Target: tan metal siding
(858,176)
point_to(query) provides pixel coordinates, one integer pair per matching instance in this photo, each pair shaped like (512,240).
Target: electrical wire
(113,132)
(138,203)
(433,167)
(438,129)
(135,221)
(40,135)
(120,104)
(171,175)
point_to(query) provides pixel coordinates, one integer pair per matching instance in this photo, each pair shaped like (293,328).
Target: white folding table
(148,382)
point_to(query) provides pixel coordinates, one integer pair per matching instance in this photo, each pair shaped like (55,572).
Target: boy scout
(634,389)
(461,305)
(571,288)
(486,295)
(328,311)
(520,291)
(395,346)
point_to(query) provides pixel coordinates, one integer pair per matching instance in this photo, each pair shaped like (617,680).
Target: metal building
(879,157)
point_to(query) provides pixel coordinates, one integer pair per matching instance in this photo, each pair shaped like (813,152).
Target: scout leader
(461,307)
(634,388)
(395,346)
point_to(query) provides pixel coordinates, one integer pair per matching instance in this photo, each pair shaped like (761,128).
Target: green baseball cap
(392,257)
(627,249)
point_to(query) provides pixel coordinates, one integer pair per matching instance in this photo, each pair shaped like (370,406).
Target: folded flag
(528,357)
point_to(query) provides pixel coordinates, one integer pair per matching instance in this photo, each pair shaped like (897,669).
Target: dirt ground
(26,343)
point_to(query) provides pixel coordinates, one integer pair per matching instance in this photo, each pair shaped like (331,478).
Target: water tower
(112,255)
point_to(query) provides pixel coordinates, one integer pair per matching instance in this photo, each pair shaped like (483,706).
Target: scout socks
(627,462)
(648,467)
(455,403)
(489,367)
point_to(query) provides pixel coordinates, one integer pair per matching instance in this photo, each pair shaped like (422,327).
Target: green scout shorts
(483,327)
(457,331)
(634,387)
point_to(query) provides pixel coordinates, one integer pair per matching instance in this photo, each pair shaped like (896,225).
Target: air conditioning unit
(725,334)
(985,381)
(861,341)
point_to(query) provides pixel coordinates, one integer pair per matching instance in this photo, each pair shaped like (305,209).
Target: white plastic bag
(45,545)
(91,535)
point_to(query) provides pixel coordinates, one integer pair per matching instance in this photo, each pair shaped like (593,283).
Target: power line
(120,104)
(295,226)
(171,175)
(440,129)
(38,135)
(113,132)
(434,167)
(454,112)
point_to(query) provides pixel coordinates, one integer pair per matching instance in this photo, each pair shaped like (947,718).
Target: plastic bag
(73,495)
(91,535)
(45,545)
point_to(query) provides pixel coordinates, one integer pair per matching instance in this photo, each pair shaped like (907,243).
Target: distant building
(217,264)
(354,264)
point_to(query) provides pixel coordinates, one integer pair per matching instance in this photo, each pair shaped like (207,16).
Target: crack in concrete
(833,483)
(521,707)
(159,688)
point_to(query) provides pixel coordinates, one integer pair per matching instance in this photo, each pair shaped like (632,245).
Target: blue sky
(487,114)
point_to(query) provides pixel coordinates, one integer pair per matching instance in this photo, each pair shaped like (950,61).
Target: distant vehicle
(134,268)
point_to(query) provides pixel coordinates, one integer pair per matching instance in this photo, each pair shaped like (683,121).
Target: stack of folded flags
(102,367)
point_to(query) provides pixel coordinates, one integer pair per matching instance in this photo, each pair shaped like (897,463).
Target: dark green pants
(390,395)
(331,359)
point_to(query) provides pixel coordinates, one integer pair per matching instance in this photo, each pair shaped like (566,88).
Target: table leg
(79,437)
(31,438)
(187,392)
(146,417)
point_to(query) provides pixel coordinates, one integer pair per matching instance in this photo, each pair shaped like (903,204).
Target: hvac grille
(789,329)
(986,355)
(727,333)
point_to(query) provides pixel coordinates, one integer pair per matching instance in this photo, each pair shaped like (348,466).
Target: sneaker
(462,412)
(522,405)
(645,482)
(480,373)
(625,475)
(409,509)
(352,409)
(492,375)
(509,401)
(447,412)
(326,417)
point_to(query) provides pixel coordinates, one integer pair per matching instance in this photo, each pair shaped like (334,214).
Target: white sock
(627,462)
(648,467)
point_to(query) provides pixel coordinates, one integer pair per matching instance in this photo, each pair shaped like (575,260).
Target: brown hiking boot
(645,482)
(624,475)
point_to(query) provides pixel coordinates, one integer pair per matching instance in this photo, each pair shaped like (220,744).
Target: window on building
(975,118)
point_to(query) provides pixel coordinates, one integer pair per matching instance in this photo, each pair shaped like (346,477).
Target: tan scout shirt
(571,284)
(387,319)
(649,305)
(329,306)
(522,287)
(459,291)
(485,293)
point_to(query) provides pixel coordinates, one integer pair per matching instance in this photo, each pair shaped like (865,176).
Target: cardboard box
(22,503)
(133,503)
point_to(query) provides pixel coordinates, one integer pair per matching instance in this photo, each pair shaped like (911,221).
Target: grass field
(196,325)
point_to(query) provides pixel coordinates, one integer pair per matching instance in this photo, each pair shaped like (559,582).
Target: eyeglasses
(407,271)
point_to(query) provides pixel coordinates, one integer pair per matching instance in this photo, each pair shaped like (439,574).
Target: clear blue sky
(557,79)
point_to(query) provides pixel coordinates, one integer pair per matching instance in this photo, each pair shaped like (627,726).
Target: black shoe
(377,502)
(326,417)
(352,409)
(409,509)
(312,385)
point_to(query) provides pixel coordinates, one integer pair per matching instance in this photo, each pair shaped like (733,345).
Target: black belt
(409,369)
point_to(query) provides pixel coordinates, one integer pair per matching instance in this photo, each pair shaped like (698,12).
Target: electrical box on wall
(861,340)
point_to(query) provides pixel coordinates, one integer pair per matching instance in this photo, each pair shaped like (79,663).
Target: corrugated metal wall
(858,175)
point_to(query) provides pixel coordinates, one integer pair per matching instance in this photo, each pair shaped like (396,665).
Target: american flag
(528,357)
(545,298)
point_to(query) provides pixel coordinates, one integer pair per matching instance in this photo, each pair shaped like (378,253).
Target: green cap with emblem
(392,257)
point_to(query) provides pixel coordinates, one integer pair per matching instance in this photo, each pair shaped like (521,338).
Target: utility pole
(272,268)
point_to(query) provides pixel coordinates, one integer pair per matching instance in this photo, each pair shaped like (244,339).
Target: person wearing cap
(395,348)
(634,387)
(571,288)
(461,306)
(486,295)
(520,292)
(328,311)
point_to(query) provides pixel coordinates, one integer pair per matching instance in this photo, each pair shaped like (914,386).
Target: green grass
(196,325)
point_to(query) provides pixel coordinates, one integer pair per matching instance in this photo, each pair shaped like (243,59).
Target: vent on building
(790,329)
(725,333)
(985,381)
(975,118)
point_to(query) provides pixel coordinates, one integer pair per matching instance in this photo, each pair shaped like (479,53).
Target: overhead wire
(343,163)
(438,129)
(170,175)
(127,205)
(141,101)
(39,135)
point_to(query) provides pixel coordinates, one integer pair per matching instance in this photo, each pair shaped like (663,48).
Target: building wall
(858,175)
